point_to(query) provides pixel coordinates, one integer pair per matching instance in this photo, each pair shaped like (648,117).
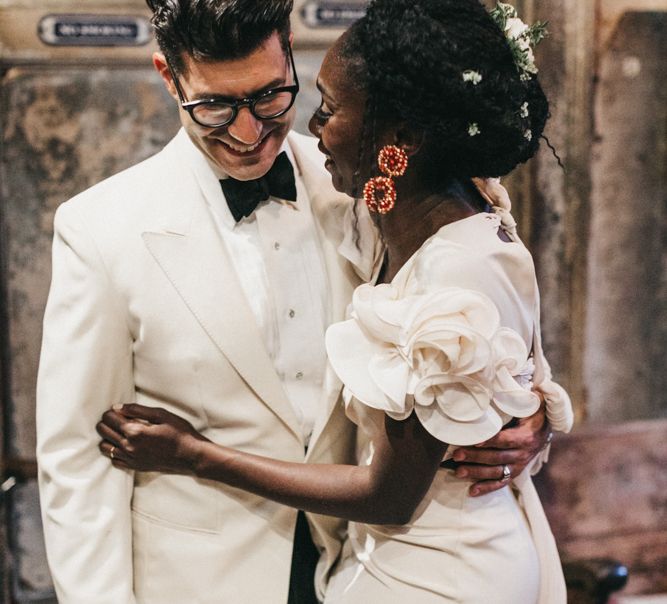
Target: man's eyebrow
(204,96)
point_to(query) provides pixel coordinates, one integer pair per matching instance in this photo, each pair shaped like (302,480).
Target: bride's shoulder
(444,254)
(468,255)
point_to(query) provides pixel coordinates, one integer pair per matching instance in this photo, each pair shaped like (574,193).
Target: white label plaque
(327,14)
(94,30)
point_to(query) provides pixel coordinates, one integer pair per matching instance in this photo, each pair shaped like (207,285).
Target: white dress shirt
(278,259)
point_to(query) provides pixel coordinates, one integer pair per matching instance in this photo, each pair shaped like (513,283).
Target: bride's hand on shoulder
(148,439)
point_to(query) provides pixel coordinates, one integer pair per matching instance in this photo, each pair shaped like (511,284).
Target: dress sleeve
(442,354)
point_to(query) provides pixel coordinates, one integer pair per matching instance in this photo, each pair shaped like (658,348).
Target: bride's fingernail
(117,407)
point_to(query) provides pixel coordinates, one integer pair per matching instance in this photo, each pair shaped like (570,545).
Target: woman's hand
(149,439)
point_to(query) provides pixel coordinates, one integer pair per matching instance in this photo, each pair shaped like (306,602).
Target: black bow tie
(243,196)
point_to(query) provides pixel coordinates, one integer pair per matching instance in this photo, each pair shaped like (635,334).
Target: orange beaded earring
(380,192)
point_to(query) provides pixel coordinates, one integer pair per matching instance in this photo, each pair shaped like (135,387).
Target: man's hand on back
(514,446)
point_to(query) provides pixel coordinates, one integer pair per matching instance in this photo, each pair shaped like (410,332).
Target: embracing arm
(85,366)
(387,491)
(516,445)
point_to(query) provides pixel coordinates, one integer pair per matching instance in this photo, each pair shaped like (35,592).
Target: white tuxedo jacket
(145,306)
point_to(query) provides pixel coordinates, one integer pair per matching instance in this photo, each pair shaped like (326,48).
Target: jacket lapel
(190,252)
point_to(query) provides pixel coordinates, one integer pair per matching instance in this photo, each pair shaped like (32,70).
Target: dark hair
(410,56)
(210,30)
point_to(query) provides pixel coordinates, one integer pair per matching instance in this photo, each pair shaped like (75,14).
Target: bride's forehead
(335,73)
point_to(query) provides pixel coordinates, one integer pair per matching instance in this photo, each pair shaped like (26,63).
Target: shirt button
(276,246)
(299,375)
(291,313)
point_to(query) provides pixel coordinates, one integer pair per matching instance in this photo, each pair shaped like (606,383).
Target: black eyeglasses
(221,111)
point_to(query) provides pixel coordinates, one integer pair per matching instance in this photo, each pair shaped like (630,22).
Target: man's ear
(409,139)
(160,64)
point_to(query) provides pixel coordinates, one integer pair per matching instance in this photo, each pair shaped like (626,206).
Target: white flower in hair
(524,110)
(473,129)
(470,75)
(515,28)
(522,38)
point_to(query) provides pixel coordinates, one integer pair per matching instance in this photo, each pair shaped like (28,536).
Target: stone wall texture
(626,331)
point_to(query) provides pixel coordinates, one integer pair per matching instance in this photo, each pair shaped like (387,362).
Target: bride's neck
(416,217)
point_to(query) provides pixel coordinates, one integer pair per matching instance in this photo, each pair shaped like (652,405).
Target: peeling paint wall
(597,227)
(626,331)
(63,130)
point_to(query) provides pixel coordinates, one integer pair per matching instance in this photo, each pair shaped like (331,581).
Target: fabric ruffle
(443,355)
(558,408)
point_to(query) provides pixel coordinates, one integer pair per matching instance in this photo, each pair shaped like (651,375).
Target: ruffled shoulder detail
(443,355)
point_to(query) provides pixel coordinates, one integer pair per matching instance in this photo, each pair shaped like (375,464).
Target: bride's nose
(315,126)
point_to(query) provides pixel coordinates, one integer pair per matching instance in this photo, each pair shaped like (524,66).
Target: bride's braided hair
(410,56)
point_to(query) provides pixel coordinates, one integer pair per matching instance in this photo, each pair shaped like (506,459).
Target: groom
(187,283)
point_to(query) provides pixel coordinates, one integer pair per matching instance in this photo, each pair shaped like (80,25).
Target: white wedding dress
(454,337)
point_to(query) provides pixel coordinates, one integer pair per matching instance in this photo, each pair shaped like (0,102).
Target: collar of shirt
(365,252)
(209,173)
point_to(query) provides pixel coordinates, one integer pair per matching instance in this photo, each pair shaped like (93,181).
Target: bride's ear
(409,139)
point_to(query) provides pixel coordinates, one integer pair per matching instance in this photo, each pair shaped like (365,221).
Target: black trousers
(304,560)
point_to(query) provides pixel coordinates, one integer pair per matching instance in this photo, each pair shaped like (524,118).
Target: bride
(422,102)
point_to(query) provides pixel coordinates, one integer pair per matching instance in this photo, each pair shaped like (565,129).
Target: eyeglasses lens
(272,105)
(265,107)
(213,114)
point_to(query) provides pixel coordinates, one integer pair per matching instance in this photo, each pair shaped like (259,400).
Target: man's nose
(246,128)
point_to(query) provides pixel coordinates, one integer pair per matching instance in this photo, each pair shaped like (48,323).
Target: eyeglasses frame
(236,104)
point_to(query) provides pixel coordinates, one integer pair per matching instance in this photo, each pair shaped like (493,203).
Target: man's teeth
(244,149)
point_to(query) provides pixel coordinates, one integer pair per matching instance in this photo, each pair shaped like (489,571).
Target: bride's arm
(405,460)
